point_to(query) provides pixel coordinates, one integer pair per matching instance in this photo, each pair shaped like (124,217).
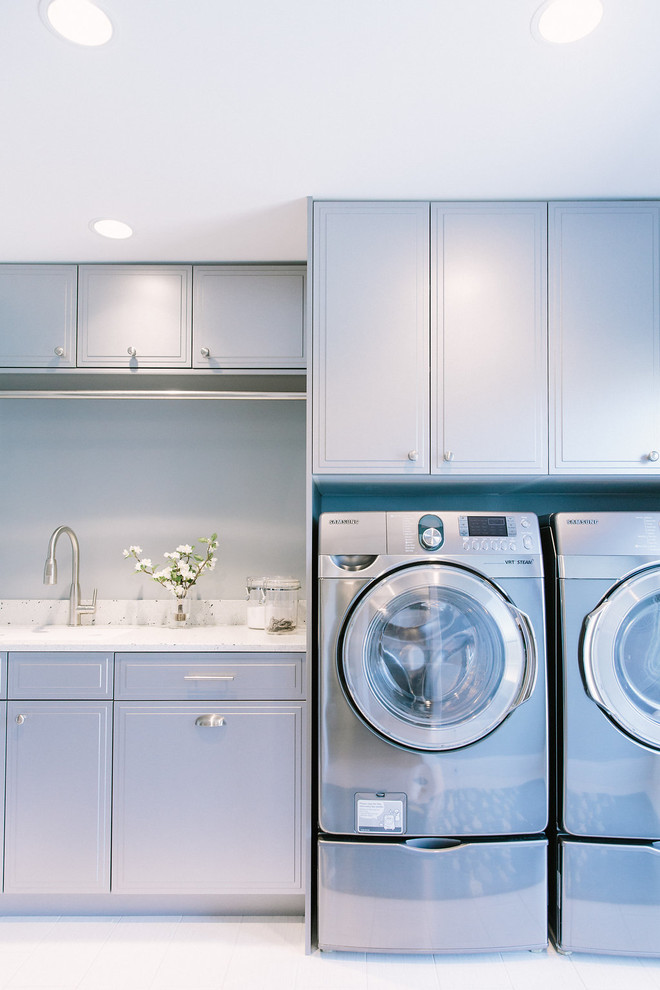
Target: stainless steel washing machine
(433,792)
(607,606)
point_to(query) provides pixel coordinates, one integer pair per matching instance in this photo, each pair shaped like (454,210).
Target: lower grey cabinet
(207,797)
(58,790)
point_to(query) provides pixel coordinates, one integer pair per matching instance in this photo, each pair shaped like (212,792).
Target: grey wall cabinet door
(207,798)
(38,316)
(605,337)
(134,316)
(371,338)
(248,316)
(489,338)
(456,388)
(57,831)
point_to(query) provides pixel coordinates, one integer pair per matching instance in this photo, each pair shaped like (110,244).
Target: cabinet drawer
(193,675)
(60,675)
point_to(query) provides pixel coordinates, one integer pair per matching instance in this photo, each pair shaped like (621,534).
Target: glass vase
(180,615)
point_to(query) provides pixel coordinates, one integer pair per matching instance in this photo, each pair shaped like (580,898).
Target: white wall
(155,473)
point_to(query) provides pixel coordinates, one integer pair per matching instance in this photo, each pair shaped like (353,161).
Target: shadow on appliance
(606,601)
(433,791)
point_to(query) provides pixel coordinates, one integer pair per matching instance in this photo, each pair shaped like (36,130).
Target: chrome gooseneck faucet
(76,608)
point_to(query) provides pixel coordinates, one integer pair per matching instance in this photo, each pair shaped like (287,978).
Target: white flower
(184,567)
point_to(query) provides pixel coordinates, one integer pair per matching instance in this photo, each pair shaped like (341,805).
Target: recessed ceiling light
(116,229)
(80,21)
(563,21)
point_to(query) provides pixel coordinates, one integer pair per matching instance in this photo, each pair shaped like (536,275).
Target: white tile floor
(174,953)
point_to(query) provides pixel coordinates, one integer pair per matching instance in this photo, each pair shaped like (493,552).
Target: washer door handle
(588,675)
(531,666)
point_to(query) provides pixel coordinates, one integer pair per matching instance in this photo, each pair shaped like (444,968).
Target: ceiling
(206,124)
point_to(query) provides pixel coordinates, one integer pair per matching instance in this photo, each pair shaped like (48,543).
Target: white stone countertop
(141,626)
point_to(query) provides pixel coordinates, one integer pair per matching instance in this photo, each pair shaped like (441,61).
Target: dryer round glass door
(435,657)
(621,656)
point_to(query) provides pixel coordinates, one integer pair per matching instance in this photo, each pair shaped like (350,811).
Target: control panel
(496,533)
(360,538)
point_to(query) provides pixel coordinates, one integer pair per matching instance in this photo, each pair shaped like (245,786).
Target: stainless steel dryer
(432,732)
(608,607)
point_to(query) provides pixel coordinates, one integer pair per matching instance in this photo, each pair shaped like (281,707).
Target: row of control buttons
(501,545)
(489,545)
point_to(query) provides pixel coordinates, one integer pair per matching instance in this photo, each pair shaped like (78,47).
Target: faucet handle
(89,608)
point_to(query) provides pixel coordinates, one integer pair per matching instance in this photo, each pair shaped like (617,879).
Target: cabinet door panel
(488,334)
(371,344)
(57,836)
(38,316)
(207,808)
(145,308)
(605,337)
(249,316)
(65,676)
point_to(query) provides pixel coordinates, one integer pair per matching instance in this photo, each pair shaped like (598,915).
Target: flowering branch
(184,567)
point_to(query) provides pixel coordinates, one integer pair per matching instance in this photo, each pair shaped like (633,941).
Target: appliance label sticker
(383,815)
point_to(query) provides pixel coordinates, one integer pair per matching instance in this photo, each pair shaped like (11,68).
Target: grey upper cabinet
(430,362)
(489,338)
(248,316)
(134,316)
(604,337)
(371,338)
(38,316)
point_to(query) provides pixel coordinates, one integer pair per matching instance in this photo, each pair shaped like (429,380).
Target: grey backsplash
(155,473)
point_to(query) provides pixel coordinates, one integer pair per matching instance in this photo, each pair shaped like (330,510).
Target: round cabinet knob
(205,352)
(59,352)
(653,455)
(131,351)
(449,455)
(413,455)
(20,719)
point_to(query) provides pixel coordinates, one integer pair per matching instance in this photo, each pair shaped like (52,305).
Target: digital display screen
(487,526)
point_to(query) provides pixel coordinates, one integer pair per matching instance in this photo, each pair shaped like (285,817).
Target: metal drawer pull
(210,721)
(20,719)
(208,677)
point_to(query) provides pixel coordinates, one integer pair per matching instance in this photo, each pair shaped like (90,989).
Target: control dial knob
(430,532)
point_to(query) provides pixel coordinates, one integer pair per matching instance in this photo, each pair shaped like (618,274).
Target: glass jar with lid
(281,604)
(256,612)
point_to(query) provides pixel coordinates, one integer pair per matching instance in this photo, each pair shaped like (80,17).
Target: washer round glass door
(621,656)
(434,657)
